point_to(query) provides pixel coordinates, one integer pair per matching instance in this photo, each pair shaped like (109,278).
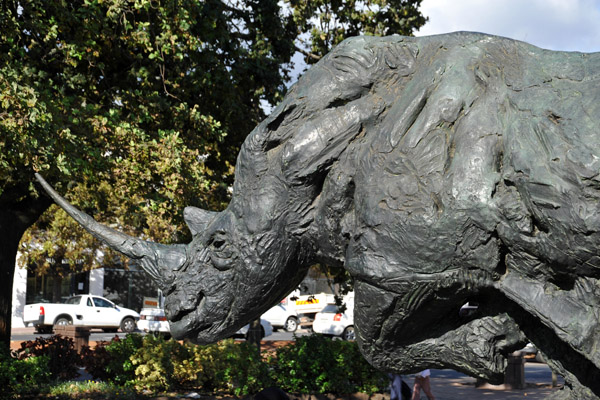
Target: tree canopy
(143,104)
(136,108)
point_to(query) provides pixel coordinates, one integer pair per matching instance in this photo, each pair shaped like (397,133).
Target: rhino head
(223,278)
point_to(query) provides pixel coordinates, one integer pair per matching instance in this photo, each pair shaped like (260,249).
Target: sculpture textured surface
(437,170)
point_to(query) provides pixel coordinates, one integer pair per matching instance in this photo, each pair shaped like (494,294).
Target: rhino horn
(197,219)
(156,259)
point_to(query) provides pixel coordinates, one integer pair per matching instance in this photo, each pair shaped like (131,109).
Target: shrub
(363,377)
(120,366)
(245,371)
(96,360)
(91,390)
(112,361)
(154,363)
(226,367)
(309,366)
(22,376)
(60,351)
(316,364)
(312,364)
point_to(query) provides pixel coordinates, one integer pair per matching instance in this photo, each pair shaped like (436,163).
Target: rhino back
(485,153)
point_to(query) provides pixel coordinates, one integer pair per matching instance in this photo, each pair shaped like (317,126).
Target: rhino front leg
(573,315)
(384,325)
(563,324)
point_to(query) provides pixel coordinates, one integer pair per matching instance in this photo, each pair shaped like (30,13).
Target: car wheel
(63,321)
(348,333)
(291,324)
(128,325)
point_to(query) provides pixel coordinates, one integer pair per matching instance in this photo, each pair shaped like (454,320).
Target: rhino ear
(197,219)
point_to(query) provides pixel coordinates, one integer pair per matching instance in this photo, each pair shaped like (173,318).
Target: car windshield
(73,300)
(330,308)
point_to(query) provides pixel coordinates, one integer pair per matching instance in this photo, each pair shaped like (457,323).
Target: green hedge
(311,364)
(316,364)
(22,376)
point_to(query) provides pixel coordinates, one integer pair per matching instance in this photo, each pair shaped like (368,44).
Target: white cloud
(552,24)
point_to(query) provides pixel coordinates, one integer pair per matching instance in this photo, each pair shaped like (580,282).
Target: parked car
(308,305)
(331,322)
(82,310)
(154,320)
(283,316)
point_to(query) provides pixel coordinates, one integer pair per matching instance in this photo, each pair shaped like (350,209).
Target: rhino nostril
(177,308)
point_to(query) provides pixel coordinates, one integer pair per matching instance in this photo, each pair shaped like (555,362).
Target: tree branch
(307,53)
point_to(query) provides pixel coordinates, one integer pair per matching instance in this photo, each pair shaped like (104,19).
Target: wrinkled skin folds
(436,170)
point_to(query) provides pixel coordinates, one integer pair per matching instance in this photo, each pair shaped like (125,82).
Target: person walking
(422,382)
(399,390)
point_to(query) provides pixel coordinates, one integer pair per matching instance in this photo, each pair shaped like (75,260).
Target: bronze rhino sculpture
(436,170)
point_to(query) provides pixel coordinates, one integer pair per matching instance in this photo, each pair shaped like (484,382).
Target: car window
(89,302)
(73,300)
(99,302)
(330,308)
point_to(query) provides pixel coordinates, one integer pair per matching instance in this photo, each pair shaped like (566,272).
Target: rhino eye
(218,241)
(222,254)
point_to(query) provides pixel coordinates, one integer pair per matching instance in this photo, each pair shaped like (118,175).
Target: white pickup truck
(82,310)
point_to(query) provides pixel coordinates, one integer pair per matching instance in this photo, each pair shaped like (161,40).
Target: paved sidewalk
(451,385)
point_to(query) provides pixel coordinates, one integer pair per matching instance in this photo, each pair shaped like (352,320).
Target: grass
(91,390)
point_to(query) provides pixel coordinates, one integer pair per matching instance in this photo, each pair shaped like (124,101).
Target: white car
(331,322)
(154,320)
(283,315)
(81,310)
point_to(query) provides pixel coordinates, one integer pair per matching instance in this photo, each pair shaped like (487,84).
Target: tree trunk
(56,288)
(15,218)
(8,256)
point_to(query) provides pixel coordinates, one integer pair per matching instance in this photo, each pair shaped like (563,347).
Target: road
(96,335)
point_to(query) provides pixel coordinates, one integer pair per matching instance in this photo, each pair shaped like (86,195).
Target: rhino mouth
(183,309)
(185,313)
(204,323)
(188,321)
(180,328)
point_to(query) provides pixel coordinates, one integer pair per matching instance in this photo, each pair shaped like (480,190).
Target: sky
(570,25)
